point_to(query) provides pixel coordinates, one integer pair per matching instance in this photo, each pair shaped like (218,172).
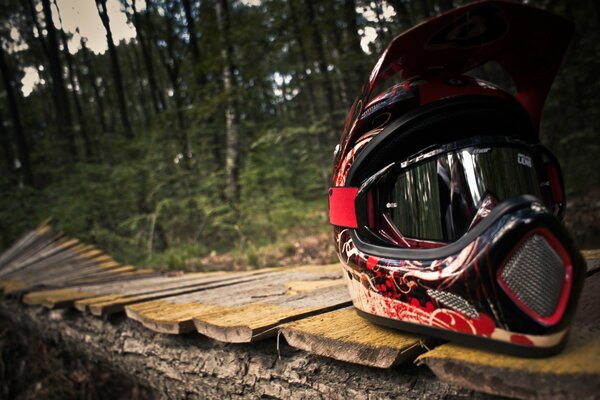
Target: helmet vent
(454,302)
(535,274)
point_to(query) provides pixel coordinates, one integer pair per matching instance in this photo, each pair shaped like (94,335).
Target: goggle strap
(342,208)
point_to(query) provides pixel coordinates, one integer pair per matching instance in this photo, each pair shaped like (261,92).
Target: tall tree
(231,129)
(61,99)
(317,41)
(116,70)
(312,100)
(83,131)
(191,27)
(91,75)
(158,100)
(7,149)
(353,66)
(15,113)
(403,14)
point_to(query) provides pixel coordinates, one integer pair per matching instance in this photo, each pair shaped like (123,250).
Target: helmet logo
(482,25)
(524,160)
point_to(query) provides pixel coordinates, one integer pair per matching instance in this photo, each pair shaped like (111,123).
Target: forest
(211,128)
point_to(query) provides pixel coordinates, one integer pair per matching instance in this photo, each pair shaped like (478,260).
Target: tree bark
(63,111)
(232,140)
(13,106)
(116,70)
(192,367)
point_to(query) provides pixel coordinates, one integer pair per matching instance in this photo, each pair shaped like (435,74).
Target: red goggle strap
(342,208)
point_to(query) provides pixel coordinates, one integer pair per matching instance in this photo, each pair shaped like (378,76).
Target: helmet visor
(439,196)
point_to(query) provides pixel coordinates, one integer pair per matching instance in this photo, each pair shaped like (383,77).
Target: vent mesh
(454,302)
(535,275)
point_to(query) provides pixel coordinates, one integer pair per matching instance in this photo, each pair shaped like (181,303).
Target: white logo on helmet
(524,160)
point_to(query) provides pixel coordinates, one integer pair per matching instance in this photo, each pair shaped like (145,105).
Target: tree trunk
(318,145)
(116,71)
(354,52)
(189,19)
(87,143)
(232,140)
(312,99)
(172,65)
(63,111)
(158,100)
(7,149)
(317,40)
(445,5)
(13,107)
(141,107)
(91,74)
(402,13)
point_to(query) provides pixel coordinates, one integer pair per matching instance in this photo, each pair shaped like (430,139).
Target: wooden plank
(111,297)
(574,373)
(345,336)
(42,232)
(593,260)
(113,303)
(67,296)
(247,311)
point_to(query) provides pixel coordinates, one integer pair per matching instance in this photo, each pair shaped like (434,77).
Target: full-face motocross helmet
(445,205)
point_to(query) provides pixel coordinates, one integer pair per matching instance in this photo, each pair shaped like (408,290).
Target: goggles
(435,197)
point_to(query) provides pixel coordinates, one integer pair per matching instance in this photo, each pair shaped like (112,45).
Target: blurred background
(198,135)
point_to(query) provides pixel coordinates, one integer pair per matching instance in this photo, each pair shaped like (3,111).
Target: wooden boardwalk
(309,306)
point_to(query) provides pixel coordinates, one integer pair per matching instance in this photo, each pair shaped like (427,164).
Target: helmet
(445,206)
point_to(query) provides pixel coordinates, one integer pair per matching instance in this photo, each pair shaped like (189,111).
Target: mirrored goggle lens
(441,198)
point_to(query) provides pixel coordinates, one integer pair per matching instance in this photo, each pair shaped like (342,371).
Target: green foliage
(160,198)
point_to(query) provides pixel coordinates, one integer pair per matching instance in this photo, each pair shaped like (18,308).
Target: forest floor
(582,219)
(315,249)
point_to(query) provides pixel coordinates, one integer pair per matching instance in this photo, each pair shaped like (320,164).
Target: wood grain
(247,311)
(345,336)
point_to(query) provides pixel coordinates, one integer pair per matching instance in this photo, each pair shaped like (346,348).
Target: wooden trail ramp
(309,306)
(42,259)
(247,310)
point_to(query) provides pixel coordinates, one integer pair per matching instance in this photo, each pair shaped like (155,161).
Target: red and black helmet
(445,205)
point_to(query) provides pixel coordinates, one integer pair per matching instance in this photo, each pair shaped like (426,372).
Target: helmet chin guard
(444,204)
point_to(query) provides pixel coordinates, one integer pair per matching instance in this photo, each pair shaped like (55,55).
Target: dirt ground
(582,219)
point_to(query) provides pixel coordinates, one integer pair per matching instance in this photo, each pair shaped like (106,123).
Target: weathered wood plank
(345,336)
(112,296)
(593,260)
(572,374)
(250,310)
(113,303)
(42,259)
